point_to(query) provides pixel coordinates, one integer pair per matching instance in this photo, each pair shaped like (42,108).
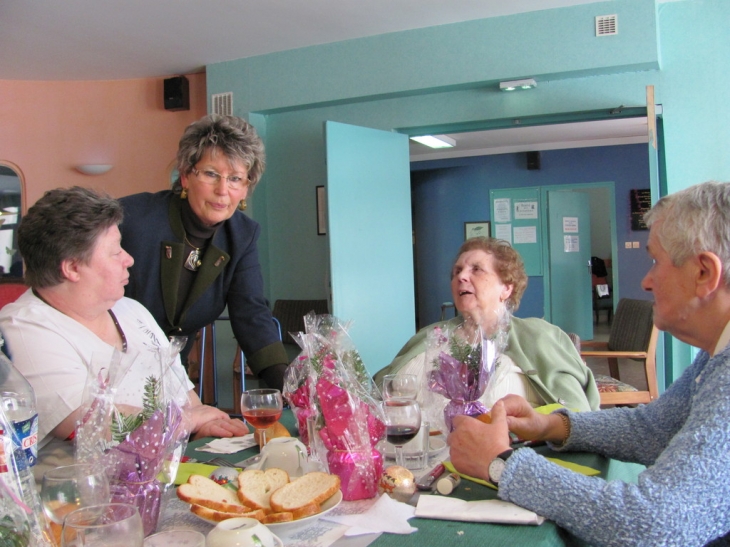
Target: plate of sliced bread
(269,496)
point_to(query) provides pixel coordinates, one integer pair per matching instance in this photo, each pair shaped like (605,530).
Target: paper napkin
(497,511)
(385,515)
(229,445)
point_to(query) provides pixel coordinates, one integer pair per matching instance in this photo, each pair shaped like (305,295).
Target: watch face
(495,470)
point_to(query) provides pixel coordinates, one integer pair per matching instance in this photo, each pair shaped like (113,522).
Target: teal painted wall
(393,82)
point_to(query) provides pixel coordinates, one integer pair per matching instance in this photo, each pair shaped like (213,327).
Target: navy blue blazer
(230,274)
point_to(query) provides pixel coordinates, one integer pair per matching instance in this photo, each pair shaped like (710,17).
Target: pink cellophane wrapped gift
(336,405)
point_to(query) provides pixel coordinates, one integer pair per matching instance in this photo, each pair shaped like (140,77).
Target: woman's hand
(207,421)
(474,444)
(527,424)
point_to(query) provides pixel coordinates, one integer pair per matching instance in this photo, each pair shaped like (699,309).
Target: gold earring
(242,205)
(184,193)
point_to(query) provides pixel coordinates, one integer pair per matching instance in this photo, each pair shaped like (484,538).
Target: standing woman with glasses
(195,251)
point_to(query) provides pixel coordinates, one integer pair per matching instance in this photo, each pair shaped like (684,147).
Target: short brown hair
(63,225)
(507,262)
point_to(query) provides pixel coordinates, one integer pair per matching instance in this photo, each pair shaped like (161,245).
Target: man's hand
(474,444)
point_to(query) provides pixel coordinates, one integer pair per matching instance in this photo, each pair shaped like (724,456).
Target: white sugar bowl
(241,532)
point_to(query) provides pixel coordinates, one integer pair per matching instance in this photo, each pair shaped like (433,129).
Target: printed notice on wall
(525,234)
(572,244)
(570,225)
(502,210)
(503,231)
(525,210)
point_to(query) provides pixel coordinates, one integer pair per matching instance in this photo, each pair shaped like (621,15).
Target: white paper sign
(502,210)
(572,244)
(570,225)
(503,231)
(525,234)
(525,209)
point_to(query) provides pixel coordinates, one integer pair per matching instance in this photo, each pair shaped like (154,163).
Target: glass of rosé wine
(261,408)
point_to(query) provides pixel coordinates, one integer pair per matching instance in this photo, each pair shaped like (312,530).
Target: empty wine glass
(70,487)
(106,525)
(401,386)
(402,423)
(261,408)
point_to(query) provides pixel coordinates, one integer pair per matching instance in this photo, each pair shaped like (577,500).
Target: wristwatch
(496,468)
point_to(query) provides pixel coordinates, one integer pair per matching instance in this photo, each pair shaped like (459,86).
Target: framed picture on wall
(321,211)
(476,229)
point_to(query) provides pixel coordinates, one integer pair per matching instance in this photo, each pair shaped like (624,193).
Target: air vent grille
(222,103)
(606,25)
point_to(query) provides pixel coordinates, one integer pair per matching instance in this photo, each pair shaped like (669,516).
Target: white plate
(436,445)
(286,527)
(282,527)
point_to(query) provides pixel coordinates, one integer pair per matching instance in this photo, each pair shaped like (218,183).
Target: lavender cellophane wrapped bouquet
(139,447)
(336,405)
(462,368)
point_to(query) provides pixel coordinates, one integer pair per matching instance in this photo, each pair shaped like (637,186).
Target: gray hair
(234,137)
(697,220)
(63,225)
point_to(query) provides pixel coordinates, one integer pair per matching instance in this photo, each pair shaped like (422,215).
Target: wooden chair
(633,336)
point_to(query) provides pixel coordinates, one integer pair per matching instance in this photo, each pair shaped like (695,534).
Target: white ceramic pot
(285,453)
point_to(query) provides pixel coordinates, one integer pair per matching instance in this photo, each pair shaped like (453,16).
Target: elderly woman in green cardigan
(539,362)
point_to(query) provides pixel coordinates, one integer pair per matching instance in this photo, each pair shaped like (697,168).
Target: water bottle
(18,403)
(22,522)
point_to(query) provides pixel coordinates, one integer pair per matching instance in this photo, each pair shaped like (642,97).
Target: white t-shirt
(57,353)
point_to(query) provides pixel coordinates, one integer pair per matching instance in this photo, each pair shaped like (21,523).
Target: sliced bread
(256,486)
(312,488)
(218,516)
(200,490)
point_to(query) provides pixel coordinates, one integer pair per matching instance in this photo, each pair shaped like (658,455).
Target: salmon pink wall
(46,128)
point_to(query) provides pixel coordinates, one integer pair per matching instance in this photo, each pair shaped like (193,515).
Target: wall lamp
(93,168)
(514,85)
(435,141)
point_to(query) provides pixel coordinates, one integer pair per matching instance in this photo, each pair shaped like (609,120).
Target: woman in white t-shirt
(75,315)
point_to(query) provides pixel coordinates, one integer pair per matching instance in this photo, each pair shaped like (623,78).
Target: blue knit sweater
(682,498)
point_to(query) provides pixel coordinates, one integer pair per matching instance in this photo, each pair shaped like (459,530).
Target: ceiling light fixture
(93,168)
(435,141)
(514,85)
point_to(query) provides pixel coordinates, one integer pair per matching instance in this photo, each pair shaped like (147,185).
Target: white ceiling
(124,39)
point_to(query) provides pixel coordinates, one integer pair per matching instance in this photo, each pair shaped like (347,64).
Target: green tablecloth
(443,533)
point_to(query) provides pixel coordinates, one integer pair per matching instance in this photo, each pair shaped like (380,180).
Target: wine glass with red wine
(402,422)
(261,408)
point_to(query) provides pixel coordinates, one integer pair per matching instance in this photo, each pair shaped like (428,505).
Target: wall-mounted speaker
(533,160)
(177,93)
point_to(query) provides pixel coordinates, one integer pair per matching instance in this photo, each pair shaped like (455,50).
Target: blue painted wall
(389,82)
(447,193)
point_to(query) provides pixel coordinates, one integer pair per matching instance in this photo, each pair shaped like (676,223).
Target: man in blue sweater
(683,496)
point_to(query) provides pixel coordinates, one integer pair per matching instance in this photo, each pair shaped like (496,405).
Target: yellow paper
(577,468)
(187,469)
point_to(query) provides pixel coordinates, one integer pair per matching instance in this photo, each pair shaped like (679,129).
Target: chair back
(632,325)
(290,314)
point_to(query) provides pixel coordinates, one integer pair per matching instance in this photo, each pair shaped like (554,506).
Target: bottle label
(27,431)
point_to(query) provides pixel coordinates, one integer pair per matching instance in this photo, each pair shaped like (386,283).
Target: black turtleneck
(199,235)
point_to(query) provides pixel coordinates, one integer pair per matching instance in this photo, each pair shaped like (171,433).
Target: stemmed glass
(70,487)
(402,386)
(261,408)
(106,525)
(402,423)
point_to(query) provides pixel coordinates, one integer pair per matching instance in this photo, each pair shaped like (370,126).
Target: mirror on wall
(11,264)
